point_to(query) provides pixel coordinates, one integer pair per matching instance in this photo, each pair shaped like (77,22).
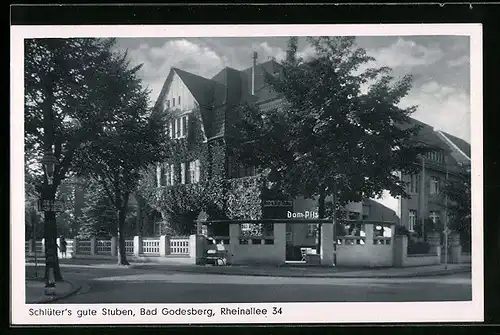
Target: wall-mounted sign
(50,206)
(278,203)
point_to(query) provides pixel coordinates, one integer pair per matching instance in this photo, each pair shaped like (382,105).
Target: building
(202,112)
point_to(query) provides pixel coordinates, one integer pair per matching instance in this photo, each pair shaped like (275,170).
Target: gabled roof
(230,87)
(426,135)
(458,143)
(201,88)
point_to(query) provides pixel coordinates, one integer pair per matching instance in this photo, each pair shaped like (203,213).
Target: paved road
(156,285)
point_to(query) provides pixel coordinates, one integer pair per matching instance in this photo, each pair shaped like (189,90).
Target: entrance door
(292,252)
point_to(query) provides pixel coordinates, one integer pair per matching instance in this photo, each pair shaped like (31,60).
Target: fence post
(58,246)
(137,245)
(369,234)
(326,249)
(279,234)
(113,246)
(455,248)
(196,248)
(234,240)
(164,245)
(400,250)
(30,247)
(75,247)
(92,245)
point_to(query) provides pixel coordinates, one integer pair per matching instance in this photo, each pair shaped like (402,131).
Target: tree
(33,228)
(458,192)
(98,217)
(330,136)
(59,112)
(129,138)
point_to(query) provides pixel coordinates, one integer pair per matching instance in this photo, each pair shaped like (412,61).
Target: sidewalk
(35,290)
(316,272)
(277,271)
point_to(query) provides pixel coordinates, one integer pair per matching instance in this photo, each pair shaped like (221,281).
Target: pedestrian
(62,247)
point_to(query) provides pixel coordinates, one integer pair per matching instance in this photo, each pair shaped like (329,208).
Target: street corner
(35,290)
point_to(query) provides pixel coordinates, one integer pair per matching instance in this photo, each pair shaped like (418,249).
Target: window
(434,216)
(413,184)
(158,175)
(184,126)
(194,171)
(173,102)
(183,173)
(437,156)
(312,229)
(168,103)
(353,216)
(412,219)
(169,175)
(191,172)
(179,100)
(172,179)
(178,128)
(434,189)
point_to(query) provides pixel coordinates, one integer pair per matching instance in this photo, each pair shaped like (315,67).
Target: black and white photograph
(180,175)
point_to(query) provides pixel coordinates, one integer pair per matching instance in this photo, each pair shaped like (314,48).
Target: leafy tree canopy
(338,126)
(128,136)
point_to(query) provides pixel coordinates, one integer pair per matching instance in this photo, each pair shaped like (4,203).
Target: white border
(292,312)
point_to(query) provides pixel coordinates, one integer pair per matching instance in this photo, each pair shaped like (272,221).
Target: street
(159,285)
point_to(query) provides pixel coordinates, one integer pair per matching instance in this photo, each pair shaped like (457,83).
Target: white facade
(178,91)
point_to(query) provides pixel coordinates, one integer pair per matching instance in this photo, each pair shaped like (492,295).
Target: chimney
(253,71)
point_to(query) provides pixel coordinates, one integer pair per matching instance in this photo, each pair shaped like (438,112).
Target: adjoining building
(202,113)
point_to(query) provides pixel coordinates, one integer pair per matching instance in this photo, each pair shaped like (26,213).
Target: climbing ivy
(244,197)
(219,197)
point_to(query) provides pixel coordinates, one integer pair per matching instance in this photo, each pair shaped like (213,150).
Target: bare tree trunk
(49,191)
(321,215)
(122,255)
(50,235)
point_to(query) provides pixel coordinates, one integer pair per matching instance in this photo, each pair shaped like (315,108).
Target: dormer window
(435,155)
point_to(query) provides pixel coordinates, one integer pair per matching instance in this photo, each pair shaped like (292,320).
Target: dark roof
(201,88)
(380,212)
(426,134)
(262,93)
(463,145)
(230,87)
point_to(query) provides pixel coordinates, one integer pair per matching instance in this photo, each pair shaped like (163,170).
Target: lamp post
(49,162)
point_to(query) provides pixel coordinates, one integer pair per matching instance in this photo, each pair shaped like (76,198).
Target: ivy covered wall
(219,197)
(244,197)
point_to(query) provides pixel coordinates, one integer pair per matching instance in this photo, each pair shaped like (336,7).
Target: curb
(297,275)
(75,288)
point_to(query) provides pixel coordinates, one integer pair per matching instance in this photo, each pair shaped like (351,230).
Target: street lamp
(49,162)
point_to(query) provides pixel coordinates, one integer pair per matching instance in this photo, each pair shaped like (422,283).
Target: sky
(439,65)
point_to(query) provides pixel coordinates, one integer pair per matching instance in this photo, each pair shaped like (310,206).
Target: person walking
(62,247)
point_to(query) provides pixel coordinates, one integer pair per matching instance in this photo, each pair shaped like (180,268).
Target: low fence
(179,246)
(433,257)
(138,246)
(371,246)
